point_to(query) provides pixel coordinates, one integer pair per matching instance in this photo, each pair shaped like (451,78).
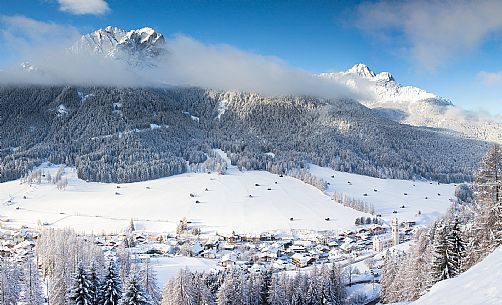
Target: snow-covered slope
(137,47)
(479,285)
(389,195)
(158,205)
(414,106)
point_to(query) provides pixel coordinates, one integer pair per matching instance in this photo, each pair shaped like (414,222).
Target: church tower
(395,231)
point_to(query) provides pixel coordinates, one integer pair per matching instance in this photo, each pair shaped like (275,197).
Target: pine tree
(389,281)
(333,287)
(111,288)
(440,266)
(204,295)
(81,290)
(455,249)
(95,286)
(135,294)
(230,290)
(131,228)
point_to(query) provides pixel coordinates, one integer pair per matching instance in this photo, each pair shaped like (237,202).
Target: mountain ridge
(415,106)
(137,47)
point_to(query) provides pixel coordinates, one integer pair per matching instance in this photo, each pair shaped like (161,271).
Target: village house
(230,237)
(228,260)
(301,260)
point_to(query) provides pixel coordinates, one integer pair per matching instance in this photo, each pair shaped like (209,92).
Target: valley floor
(250,201)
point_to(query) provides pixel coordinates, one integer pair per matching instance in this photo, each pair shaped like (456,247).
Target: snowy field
(431,200)
(158,205)
(479,285)
(250,201)
(168,267)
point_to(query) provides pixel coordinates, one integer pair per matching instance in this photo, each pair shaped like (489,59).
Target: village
(273,251)
(268,251)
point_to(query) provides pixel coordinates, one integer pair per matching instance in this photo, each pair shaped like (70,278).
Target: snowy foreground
(251,201)
(478,285)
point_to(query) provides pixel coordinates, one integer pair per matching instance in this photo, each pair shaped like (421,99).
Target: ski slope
(158,205)
(430,198)
(479,285)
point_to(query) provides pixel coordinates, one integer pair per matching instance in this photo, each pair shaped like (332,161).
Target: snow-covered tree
(277,293)
(487,224)
(148,278)
(81,292)
(440,267)
(10,282)
(180,291)
(464,193)
(95,285)
(32,291)
(111,287)
(455,249)
(134,293)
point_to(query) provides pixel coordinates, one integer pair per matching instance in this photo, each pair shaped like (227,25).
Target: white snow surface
(62,110)
(226,206)
(222,107)
(84,97)
(168,267)
(232,202)
(479,285)
(390,194)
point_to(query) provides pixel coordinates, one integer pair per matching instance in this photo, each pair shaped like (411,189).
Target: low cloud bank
(186,62)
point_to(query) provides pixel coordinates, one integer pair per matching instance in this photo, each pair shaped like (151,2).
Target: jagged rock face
(140,47)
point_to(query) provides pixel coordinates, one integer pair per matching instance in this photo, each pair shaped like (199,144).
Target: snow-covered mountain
(138,47)
(142,49)
(414,106)
(384,88)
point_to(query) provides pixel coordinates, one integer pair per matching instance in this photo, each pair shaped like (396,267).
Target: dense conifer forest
(126,135)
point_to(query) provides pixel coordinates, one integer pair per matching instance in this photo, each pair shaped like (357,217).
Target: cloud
(220,66)
(187,62)
(490,78)
(431,31)
(22,33)
(84,7)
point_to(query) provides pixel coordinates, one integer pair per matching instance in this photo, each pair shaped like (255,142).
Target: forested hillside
(125,135)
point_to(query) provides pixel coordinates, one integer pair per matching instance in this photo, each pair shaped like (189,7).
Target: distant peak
(146,34)
(362,70)
(384,76)
(147,30)
(139,47)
